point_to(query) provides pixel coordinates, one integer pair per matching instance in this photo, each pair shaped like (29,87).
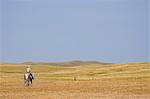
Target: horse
(28,77)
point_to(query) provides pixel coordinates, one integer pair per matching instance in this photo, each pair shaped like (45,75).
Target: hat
(28,66)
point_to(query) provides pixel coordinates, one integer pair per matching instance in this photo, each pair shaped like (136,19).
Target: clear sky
(0,30)
(149,30)
(114,31)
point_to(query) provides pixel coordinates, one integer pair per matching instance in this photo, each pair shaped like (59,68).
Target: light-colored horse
(28,79)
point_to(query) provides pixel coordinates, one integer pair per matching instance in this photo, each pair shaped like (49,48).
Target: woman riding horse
(28,76)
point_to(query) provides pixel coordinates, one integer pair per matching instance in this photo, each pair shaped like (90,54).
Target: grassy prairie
(93,81)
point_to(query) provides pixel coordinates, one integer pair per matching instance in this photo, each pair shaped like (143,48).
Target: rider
(28,70)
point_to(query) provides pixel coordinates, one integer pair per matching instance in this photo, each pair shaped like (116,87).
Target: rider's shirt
(28,70)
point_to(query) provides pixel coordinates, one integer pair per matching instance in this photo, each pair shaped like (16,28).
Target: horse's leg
(31,81)
(28,83)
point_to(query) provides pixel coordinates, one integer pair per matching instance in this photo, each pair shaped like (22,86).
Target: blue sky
(149,30)
(0,30)
(113,31)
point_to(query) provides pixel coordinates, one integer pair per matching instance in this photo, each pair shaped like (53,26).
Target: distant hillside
(69,63)
(83,70)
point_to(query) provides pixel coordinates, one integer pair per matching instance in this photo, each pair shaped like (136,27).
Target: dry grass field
(77,81)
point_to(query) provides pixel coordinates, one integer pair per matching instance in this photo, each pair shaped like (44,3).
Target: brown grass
(115,81)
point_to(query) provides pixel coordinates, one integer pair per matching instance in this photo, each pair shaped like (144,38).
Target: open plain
(76,80)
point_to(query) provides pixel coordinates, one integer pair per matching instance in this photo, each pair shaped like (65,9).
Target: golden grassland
(84,81)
